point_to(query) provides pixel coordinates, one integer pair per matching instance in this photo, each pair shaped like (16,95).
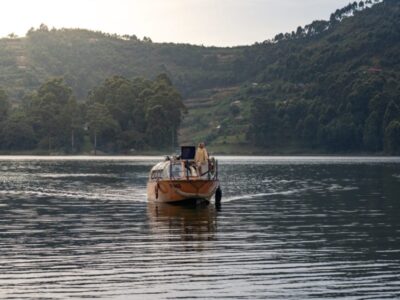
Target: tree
(16,133)
(119,96)
(12,35)
(147,39)
(234,109)
(392,113)
(310,129)
(133,105)
(4,105)
(45,107)
(340,135)
(264,129)
(392,138)
(279,37)
(72,116)
(372,137)
(171,103)
(157,133)
(43,27)
(99,121)
(57,88)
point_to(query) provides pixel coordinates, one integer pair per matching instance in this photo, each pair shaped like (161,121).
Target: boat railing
(191,171)
(211,173)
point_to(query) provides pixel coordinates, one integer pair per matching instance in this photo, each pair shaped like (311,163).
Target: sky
(201,22)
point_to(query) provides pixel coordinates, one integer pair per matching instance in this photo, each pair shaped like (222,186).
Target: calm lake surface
(288,228)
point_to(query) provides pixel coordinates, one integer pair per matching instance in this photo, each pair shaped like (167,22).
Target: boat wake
(138,195)
(258,195)
(317,189)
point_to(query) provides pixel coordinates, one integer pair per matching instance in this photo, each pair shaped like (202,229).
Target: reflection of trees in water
(191,222)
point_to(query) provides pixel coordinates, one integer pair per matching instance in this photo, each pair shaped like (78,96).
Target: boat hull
(180,190)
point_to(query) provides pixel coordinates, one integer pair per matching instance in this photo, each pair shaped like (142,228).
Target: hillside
(337,88)
(85,58)
(332,86)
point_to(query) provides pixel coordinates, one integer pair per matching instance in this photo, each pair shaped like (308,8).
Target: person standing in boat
(201,159)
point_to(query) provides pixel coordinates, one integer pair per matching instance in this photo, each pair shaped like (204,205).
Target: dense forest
(120,116)
(329,87)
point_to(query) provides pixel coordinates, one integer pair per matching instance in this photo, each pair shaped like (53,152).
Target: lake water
(288,228)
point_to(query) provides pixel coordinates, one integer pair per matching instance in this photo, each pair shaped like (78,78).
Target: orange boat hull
(180,190)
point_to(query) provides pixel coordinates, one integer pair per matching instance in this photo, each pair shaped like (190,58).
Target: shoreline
(213,150)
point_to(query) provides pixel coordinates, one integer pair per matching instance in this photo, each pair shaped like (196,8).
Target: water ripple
(287,229)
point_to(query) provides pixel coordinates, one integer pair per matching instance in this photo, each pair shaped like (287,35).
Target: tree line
(367,119)
(319,26)
(120,115)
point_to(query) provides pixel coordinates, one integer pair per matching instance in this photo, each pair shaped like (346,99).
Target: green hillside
(330,87)
(336,89)
(85,58)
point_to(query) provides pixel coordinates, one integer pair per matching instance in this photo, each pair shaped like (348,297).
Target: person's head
(201,145)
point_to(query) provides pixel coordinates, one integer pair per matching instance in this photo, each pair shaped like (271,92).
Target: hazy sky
(208,22)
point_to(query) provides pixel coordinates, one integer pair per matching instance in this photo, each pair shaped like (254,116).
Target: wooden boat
(178,178)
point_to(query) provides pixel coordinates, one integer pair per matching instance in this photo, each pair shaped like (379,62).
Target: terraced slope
(212,119)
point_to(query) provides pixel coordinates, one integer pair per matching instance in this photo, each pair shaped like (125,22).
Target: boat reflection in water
(190,221)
